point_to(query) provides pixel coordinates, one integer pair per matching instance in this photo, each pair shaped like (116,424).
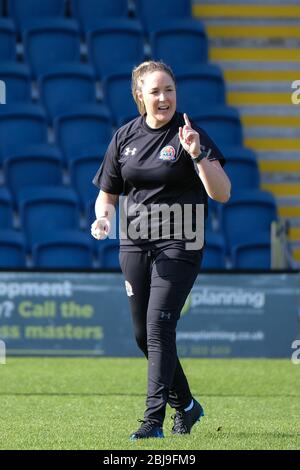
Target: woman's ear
(140,96)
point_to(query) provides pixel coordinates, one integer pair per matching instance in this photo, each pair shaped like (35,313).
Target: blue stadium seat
(88,151)
(21,124)
(115,43)
(59,37)
(39,165)
(223,125)
(118,97)
(67,249)
(6,209)
(252,255)
(24,11)
(209,220)
(214,251)
(82,171)
(45,209)
(89,125)
(156,12)
(90,12)
(247,215)
(67,86)
(109,254)
(200,88)
(17,80)
(12,249)
(90,212)
(180,44)
(241,168)
(7,40)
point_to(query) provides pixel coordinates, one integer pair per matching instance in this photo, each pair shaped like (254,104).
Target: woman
(156,160)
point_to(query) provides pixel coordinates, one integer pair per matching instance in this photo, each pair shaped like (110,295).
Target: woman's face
(159,96)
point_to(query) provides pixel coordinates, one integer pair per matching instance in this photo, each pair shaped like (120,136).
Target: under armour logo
(166,316)
(129,151)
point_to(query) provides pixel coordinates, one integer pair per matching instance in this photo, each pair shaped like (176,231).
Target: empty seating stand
(154,13)
(51,42)
(17,81)
(115,43)
(77,130)
(63,249)
(23,12)
(65,87)
(90,13)
(12,249)
(7,40)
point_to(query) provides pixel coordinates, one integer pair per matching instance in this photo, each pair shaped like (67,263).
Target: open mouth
(163,108)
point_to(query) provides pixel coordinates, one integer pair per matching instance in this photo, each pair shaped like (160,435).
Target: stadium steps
(257,45)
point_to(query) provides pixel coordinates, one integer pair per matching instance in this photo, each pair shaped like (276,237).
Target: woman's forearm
(215,180)
(105,205)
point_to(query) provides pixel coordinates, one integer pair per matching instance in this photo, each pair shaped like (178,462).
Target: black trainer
(185,420)
(147,429)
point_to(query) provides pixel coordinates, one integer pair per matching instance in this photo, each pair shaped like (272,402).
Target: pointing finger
(186,120)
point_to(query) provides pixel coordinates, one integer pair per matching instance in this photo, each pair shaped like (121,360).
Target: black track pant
(158,283)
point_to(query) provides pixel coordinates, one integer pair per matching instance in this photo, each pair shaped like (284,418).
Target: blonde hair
(138,75)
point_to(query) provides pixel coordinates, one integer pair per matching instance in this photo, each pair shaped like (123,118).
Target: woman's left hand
(189,138)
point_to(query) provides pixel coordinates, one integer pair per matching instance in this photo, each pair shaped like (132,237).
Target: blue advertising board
(87,314)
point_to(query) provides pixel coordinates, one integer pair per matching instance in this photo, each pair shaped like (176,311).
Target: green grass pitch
(54,403)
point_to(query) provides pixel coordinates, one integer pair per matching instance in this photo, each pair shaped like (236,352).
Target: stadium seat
(7,40)
(241,168)
(63,249)
(88,151)
(21,124)
(214,251)
(17,80)
(118,97)
(24,11)
(180,44)
(223,125)
(39,165)
(91,12)
(67,86)
(6,209)
(115,43)
(45,209)
(82,171)
(89,125)
(156,12)
(90,212)
(109,254)
(252,255)
(209,221)
(59,37)
(200,88)
(247,215)
(12,249)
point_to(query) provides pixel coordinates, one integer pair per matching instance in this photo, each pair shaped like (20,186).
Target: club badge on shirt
(168,153)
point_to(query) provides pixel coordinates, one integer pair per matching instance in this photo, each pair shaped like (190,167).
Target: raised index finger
(186,120)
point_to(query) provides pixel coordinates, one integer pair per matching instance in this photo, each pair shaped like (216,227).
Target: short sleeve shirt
(150,167)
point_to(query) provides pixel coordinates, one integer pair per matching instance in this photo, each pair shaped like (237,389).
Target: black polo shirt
(150,167)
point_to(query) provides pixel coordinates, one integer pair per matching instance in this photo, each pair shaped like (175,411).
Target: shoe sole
(132,438)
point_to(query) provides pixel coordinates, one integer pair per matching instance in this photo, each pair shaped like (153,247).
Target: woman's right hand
(100,228)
